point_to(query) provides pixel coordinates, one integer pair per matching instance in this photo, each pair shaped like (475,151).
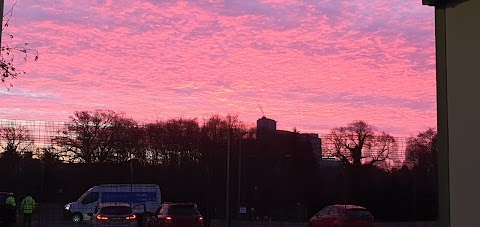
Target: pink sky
(311,64)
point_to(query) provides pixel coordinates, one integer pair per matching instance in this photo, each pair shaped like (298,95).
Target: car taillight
(200,219)
(131,217)
(168,219)
(101,217)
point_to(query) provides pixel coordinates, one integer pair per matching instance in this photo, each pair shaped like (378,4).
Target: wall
(458,80)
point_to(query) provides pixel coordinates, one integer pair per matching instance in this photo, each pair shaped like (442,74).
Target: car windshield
(358,213)
(116,210)
(182,210)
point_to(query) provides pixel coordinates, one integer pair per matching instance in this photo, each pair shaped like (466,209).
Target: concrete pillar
(458,99)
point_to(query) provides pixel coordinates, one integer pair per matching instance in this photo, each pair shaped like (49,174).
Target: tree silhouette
(50,156)
(421,158)
(421,151)
(15,141)
(174,142)
(93,136)
(124,140)
(215,132)
(359,144)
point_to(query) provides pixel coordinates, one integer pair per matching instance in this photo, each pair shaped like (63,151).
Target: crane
(260,107)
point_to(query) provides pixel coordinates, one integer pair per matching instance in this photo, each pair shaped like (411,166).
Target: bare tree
(182,141)
(8,53)
(15,141)
(50,156)
(91,135)
(359,144)
(127,140)
(421,151)
(213,150)
(174,142)
(155,138)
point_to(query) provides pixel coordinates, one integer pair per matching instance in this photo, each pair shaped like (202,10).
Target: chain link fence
(281,181)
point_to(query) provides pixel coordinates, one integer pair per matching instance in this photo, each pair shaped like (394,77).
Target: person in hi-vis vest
(27,208)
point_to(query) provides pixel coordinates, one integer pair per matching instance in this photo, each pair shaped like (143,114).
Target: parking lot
(48,215)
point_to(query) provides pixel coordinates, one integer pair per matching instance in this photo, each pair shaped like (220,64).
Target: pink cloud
(314,65)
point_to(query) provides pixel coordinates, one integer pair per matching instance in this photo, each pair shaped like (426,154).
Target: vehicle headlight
(67,207)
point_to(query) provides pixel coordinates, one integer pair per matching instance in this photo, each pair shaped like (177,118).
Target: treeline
(276,175)
(106,137)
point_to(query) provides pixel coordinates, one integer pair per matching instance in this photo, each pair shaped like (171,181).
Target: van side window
(90,198)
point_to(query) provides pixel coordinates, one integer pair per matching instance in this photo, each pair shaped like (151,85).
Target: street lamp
(239,173)
(227,208)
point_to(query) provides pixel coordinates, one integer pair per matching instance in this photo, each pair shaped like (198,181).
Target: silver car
(113,215)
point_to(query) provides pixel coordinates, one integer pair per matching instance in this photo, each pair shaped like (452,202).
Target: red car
(176,214)
(342,216)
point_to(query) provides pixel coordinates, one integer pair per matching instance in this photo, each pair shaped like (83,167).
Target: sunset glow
(310,64)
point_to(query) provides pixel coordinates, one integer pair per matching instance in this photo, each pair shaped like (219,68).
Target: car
(134,194)
(113,214)
(7,213)
(175,215)
(342,216)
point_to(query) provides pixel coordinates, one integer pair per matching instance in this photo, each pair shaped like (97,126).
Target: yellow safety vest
(28,205)
(10,201)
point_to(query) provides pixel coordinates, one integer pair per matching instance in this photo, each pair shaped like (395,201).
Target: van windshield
(80,199)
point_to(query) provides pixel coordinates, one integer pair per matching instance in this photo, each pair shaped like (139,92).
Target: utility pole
(345,186)
(227,208)
(239,176)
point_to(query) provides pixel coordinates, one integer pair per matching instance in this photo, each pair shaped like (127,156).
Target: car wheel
(77,218)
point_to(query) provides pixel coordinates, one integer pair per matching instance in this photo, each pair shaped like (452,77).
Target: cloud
(313,64)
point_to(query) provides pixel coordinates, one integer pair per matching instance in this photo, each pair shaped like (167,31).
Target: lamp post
(345,187)
(239,176)
(239,173)
(227,208)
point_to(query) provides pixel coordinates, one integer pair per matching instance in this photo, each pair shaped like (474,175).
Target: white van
(142,197)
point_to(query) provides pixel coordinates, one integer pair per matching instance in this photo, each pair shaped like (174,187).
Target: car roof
(348,207)
(170,203)
(113,204)
(179,204)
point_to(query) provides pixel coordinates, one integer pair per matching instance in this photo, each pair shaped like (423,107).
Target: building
(266,126)
(316,143)
(457,46)
(329,162)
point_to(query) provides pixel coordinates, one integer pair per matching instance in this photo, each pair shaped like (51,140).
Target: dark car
(176,214)
(342,216)
(7,213)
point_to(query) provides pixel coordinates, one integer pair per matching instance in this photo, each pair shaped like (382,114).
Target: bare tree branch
(8,53)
